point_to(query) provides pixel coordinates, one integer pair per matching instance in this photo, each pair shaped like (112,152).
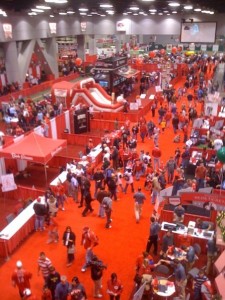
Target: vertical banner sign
(83,26)
(52,27)
(8,183)
(7,28)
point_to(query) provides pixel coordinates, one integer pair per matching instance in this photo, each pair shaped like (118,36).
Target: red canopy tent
(34,148)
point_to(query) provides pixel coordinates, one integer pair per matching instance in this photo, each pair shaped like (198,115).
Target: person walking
(21,278)
(62,289)
(88,200)
(69,240)
(139,198)
(200,175)
(74,188)
(199,279)
(170,167)
(114,287)
(77,290)
(153,236)
(44,265)
(98,178)
(89,240)
(101,194)
(52,280)
(97,267)
(107,204)
(156,154)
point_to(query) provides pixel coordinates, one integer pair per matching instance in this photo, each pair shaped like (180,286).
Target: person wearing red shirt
(143,131)
(21,278)
(59,193)
(141,258)
(89,240)
(114,287)
(200,174)
(156,154)
(168,117)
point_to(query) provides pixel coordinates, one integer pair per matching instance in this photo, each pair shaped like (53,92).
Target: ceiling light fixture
(37,10)
(188,6)
(174,4)
(83,8)
(70,11)
(51,16)
(106,5)
(134,7)
(43,7)
(32,13)
(197,9)
(56,1)
(110,12)
(62,13)
(153,10)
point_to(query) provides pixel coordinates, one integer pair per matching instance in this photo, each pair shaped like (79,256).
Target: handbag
(71,249)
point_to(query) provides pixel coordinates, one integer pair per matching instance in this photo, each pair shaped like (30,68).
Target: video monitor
(198,32)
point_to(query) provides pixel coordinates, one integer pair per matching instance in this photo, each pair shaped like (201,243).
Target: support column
(50,54)
(11,62)
(81,46)
(91,44)
(25,51)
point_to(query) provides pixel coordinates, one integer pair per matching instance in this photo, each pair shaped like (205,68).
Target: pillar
(11,62)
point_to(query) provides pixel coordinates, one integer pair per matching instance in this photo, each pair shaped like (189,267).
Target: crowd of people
(22,115)
(122,168)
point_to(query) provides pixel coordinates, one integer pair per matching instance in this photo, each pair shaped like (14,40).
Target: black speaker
(81,121)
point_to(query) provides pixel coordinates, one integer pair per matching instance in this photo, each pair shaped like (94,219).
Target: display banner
(8,183)
(202,197)
(7,28)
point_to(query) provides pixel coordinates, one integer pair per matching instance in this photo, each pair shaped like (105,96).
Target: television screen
(198,32)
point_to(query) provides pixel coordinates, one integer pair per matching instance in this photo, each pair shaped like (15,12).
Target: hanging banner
(121,26)
(52,27)
(7,28)
(83,26)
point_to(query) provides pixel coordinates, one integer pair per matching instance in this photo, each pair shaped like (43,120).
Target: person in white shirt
(218,144)
(129,180)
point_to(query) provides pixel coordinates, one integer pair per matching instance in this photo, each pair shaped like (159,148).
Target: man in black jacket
(52,280)
(40,211)
(97,268)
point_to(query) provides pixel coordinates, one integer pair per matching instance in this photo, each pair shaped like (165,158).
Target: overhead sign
(121,26)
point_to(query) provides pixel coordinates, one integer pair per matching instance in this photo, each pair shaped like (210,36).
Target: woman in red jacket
(115,287)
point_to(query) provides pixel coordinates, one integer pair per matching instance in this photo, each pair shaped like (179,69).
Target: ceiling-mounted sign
(83,26)
(121,26)
(52,27)
(7,28)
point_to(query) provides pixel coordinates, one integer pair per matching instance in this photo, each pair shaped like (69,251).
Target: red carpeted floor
(118,247)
